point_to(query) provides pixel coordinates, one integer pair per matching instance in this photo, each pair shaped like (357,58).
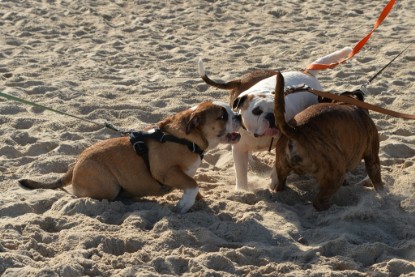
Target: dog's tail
(61,182)
(279,109)
(332,58)
(221,85)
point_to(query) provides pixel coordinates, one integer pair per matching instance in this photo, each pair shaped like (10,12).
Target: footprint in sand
(23,123)
(398,150)
(40,148)
(23,138)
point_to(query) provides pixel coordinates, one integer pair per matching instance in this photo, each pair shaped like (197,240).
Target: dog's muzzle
(271,119)
(234,136)
(272,130)
(238,118)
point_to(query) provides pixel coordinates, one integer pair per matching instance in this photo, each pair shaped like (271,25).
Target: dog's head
(257,111)
(216,121)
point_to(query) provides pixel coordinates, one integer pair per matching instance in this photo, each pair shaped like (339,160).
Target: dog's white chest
(191,170)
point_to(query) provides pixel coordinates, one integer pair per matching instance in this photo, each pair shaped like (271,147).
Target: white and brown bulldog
(325,141)
(167,157)
(256,105)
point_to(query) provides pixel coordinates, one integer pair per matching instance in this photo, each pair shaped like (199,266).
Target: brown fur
(241,84)
(106,167)
(326,140)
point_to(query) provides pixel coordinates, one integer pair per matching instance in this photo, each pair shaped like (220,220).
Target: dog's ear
(194,122)
(238,102)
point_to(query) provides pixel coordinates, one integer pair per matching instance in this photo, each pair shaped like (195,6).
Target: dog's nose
(271,119)
(256,135)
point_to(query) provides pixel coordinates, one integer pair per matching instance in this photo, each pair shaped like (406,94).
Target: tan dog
(325,140)
(112,165)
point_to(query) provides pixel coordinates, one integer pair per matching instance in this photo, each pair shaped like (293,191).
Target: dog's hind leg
(372,165)
(279,176)
(282,167)
(328,187)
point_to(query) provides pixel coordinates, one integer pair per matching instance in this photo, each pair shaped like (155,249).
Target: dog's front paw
(188,200)
(241,186)
(275,183)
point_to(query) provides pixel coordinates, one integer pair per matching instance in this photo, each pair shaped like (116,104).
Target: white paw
(188,200)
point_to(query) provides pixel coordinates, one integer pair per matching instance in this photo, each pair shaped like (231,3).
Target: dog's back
(335,134)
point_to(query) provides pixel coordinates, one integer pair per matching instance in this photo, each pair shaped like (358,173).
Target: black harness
(137,139)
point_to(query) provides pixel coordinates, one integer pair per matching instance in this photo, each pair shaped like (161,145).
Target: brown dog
(173,156)
(325,140)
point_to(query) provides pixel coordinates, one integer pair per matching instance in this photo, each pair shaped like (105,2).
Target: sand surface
(133,63)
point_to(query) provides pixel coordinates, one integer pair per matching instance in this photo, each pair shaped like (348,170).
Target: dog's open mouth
(233,137)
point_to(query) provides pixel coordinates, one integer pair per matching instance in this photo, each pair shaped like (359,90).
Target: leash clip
(364,89)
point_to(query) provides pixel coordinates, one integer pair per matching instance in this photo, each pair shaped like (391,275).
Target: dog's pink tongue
(272,132)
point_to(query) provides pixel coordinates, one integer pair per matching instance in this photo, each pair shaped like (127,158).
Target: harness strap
(140,147)
(360,104)
(137,140)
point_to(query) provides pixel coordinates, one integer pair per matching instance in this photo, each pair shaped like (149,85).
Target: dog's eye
(257,111)
(224,116)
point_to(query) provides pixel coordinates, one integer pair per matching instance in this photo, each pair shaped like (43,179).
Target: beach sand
(133,63)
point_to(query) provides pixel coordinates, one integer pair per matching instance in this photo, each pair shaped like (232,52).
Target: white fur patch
(232,125)
(191,171)
(188,200)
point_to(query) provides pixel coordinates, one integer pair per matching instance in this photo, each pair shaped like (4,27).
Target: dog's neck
(176,125)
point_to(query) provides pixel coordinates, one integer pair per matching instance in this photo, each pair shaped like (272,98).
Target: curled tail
(279,109)
(61,182)
(221,85)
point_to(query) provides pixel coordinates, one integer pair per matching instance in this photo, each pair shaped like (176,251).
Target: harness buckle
(140,148)
(162,138)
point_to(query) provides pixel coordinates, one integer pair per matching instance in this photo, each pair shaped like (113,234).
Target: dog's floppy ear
(238,102)
(194,122)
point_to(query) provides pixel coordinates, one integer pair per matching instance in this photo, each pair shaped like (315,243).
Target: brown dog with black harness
(325,140)
(168,157)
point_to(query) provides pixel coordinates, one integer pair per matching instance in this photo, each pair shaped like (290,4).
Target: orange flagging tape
(358,45)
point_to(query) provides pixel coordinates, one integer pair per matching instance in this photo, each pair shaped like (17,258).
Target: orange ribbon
(359,45)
